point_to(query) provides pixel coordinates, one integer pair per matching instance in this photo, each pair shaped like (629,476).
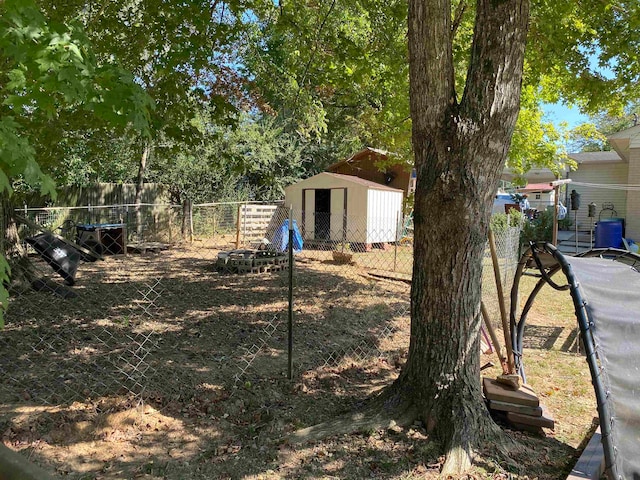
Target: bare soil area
(161,368)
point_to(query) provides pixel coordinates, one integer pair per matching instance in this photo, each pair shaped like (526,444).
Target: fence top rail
(85,207)
(133,205)
(247,202)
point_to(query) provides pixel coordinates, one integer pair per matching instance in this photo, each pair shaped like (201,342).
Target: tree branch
(313,50)
(431,68)
(491,99)
(457,18)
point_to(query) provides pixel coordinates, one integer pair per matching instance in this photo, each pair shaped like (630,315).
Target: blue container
(609,233)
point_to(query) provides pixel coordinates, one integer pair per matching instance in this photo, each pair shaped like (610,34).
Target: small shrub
(501,221)
(538,229)
(565,224)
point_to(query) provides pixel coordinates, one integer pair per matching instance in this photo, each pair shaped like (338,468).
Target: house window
(537,196)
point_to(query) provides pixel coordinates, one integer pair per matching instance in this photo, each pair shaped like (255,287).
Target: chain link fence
(94,319)
(185,307)
(507,248)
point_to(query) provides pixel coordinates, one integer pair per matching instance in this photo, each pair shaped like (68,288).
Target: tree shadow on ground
(206,356)
(179,349)
(543,337)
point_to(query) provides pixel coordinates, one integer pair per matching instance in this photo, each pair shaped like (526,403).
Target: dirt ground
(161,368)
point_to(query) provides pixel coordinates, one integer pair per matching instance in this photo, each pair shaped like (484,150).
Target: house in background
(602,178)
(365,164)
(601,169)
(627,145)
(540,195)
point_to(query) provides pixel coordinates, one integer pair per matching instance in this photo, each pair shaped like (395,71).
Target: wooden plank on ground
(497,391)
(514,407)
(527,428)
(590,465)
(545,420)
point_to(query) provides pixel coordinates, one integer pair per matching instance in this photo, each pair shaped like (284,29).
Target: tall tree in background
(335,73)
(49,74)
(182,53)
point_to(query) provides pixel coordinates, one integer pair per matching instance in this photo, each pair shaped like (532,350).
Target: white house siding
(384,212)
(633,198)
(545,199)
(600,173)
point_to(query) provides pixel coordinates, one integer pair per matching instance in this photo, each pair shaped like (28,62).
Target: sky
(558,112)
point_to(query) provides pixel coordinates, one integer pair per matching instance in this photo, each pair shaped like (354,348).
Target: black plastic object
(61,256)
(575,200)
(102,238)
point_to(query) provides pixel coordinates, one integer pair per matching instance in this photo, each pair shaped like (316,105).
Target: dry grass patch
(196,423)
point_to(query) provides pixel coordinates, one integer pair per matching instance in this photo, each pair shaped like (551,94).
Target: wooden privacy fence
(100,194)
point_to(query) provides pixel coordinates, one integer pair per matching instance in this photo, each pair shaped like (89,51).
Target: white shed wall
(370,216)
(357,220)
(337,213)
(384,212)
(308,212)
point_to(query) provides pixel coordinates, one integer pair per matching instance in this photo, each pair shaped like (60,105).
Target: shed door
(323,214)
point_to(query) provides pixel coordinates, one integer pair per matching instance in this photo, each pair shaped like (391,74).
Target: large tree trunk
(460,150)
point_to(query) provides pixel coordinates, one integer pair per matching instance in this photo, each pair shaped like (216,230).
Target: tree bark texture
(460,149)
(142,167)
(22,271)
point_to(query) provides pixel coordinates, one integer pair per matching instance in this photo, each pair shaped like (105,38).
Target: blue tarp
(281,237)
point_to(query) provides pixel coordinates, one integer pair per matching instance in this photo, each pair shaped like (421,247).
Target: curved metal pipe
(587,336)
(517,325)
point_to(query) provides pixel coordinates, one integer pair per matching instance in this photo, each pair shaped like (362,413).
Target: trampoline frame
(546,258)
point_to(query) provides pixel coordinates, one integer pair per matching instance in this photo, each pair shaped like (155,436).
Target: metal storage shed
(332,208)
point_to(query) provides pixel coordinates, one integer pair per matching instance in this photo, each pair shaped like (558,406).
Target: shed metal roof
(351,179)
(362,181)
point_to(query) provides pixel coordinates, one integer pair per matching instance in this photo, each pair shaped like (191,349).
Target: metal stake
(290,319)
(575,221)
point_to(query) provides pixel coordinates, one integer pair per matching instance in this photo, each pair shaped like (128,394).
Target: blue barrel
(609,233)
